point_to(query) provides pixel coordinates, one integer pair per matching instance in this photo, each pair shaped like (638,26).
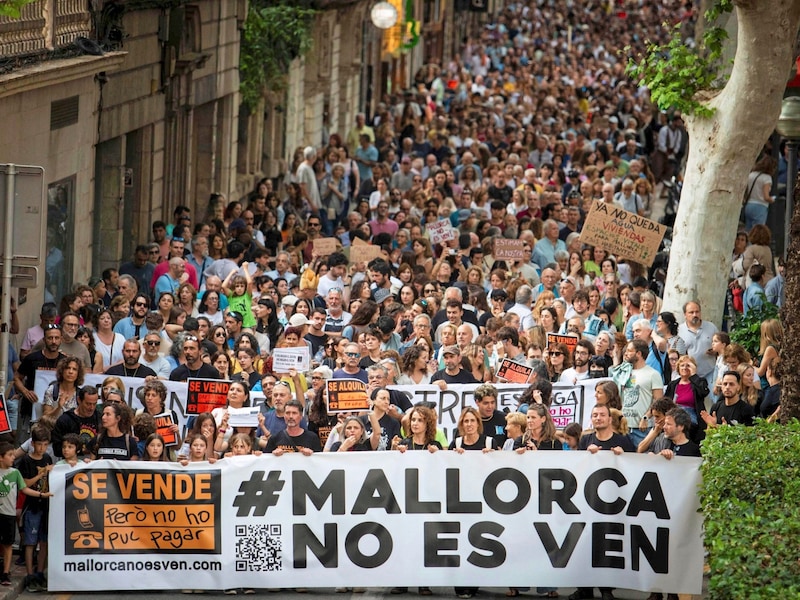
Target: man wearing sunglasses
(133,326)
(152,359)
(351,370)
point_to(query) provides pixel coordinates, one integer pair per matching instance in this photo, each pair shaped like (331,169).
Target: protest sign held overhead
(624,234)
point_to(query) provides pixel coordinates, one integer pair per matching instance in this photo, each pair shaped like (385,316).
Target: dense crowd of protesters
(515,138)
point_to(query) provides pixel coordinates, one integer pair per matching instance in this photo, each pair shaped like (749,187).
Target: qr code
(259,548)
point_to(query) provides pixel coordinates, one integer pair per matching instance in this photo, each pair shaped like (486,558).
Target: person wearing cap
(390,339)
(453,371)
(286,309)
(299,321)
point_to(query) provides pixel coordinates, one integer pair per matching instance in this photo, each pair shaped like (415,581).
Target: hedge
(750,499)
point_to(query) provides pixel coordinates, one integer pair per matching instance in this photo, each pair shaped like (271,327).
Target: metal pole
(8,252)
(791,182)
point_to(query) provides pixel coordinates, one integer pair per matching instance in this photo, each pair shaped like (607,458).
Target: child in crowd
(144,425)
(71,447)
(154,448)
(241,444)
(11,483)
(572,435)
(34,468)
(197,450)
(239,290)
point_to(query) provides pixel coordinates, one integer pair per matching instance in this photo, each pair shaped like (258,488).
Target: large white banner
(377,519)
(570,403)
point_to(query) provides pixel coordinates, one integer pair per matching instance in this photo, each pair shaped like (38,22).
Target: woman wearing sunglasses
(558,359)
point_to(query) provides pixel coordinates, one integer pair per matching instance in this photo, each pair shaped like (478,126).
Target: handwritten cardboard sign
(624,234)
(346,395)
(324,246)
(204,395)
(361,251)
(508,249)
(164,425)
(513,372)
(440,232)
(568,339)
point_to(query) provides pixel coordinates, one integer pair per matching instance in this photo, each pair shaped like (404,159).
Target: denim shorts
(34,527)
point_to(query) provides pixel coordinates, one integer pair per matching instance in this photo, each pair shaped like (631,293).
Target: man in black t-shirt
(602,438)
(83,421)
(45,359)
(452,372)
(676,423)
(130,366)
(494,421)
(294,438)
(194,367)
(730,409)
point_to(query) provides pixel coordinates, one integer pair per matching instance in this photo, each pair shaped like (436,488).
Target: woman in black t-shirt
(114,441)
(540,433)
(354,437)
(470,433)
(422,423)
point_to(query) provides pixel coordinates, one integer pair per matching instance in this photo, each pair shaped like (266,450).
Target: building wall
(156,125)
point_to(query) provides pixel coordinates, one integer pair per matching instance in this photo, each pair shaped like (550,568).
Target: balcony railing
(44,25)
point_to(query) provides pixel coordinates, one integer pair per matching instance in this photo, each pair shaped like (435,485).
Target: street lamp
(789,128)
(383,15)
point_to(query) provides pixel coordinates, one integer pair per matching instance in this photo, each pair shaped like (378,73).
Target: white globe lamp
(383,15)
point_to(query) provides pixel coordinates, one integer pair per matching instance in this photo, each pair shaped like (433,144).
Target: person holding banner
(293,438)
(602,438)
(471,435)
(355,437)
(540,433)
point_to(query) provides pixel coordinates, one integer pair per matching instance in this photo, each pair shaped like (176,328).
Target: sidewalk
(17,581)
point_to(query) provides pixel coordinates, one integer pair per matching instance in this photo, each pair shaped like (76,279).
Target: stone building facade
(131,107)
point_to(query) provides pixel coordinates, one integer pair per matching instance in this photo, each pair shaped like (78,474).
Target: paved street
(370,594)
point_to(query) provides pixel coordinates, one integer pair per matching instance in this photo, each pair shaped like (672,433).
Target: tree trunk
(790,317)
(723,149)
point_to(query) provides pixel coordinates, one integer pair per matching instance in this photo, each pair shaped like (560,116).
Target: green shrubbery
(751,503)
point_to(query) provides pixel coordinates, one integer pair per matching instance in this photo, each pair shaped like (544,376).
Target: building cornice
(55,72)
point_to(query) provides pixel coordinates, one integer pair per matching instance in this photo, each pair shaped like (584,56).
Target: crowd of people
(515,138)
